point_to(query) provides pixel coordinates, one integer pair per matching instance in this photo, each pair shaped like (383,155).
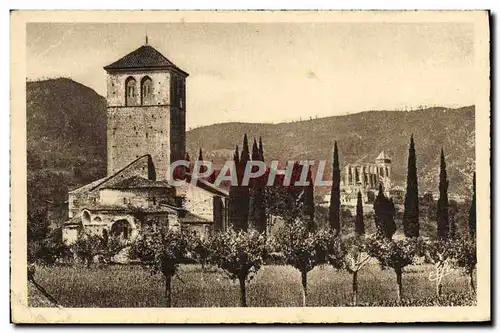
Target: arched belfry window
(146,90)
(130,95)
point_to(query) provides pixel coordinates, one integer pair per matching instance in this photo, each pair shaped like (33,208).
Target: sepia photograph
(250,167)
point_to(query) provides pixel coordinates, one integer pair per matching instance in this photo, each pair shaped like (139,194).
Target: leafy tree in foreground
(162,252)
(396,254)
(349,254)
(302,249)
(466,258)
(411,214)
(87,246)
(50,249)
(440,253)
(240,254)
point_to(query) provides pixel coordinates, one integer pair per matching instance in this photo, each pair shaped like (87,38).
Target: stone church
(366,177)
(146,131)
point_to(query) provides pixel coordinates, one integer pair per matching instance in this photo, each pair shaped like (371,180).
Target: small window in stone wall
(130,91)
(146,90)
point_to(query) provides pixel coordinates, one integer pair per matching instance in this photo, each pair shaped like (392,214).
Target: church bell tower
(146,95)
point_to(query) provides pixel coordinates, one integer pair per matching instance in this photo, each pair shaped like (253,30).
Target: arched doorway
(86,217)
(121,229)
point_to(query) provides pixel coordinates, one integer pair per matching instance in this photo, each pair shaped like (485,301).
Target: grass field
(133,286)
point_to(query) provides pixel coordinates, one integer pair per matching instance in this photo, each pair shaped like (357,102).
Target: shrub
(163,252)
(240,254)
(440,253)
(302,249)
(396,254)
(87,246)
(349,254)
(466,258)
(49,250)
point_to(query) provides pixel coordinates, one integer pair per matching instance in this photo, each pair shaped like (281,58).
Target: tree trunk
(168,291)
(399,276)
(303,276)
(439,288)
(243,293)
(471,276)
(355,288)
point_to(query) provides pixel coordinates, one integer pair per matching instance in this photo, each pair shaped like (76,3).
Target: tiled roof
(383,156)
(97,207)
(145,57)
(89,186)
(204,185)
(137,182)
(193,218)
(75,220)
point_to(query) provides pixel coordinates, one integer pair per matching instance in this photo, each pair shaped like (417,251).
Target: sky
(275,72)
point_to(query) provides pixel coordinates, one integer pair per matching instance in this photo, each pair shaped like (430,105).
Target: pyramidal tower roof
(382,156)
(144,58)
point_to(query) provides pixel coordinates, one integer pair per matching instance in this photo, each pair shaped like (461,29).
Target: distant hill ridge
(66,127)
(361,137)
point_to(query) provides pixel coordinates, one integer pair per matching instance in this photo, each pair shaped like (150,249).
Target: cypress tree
(255,151)
(261,149)
(309,201)
(453,227)
(255,197)
(236,159)
(443,226)
(410,216)
(200,158)
(233,194)
(359,226)
(334,212)
(472,211)
(188,159)
(384,215)
(243,192)
(262,220)
(245,154)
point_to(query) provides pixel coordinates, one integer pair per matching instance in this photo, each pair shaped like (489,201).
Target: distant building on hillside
(366,177)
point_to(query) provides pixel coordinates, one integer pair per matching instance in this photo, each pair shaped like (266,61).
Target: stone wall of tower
(157,127)
(136,131)
(178,117)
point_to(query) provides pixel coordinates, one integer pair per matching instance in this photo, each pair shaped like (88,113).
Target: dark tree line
(251,205)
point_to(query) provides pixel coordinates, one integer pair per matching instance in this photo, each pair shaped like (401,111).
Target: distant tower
(383,164)
(146,96)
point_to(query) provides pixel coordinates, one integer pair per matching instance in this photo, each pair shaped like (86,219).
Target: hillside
(66,127)
(66,140)
(361,137)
